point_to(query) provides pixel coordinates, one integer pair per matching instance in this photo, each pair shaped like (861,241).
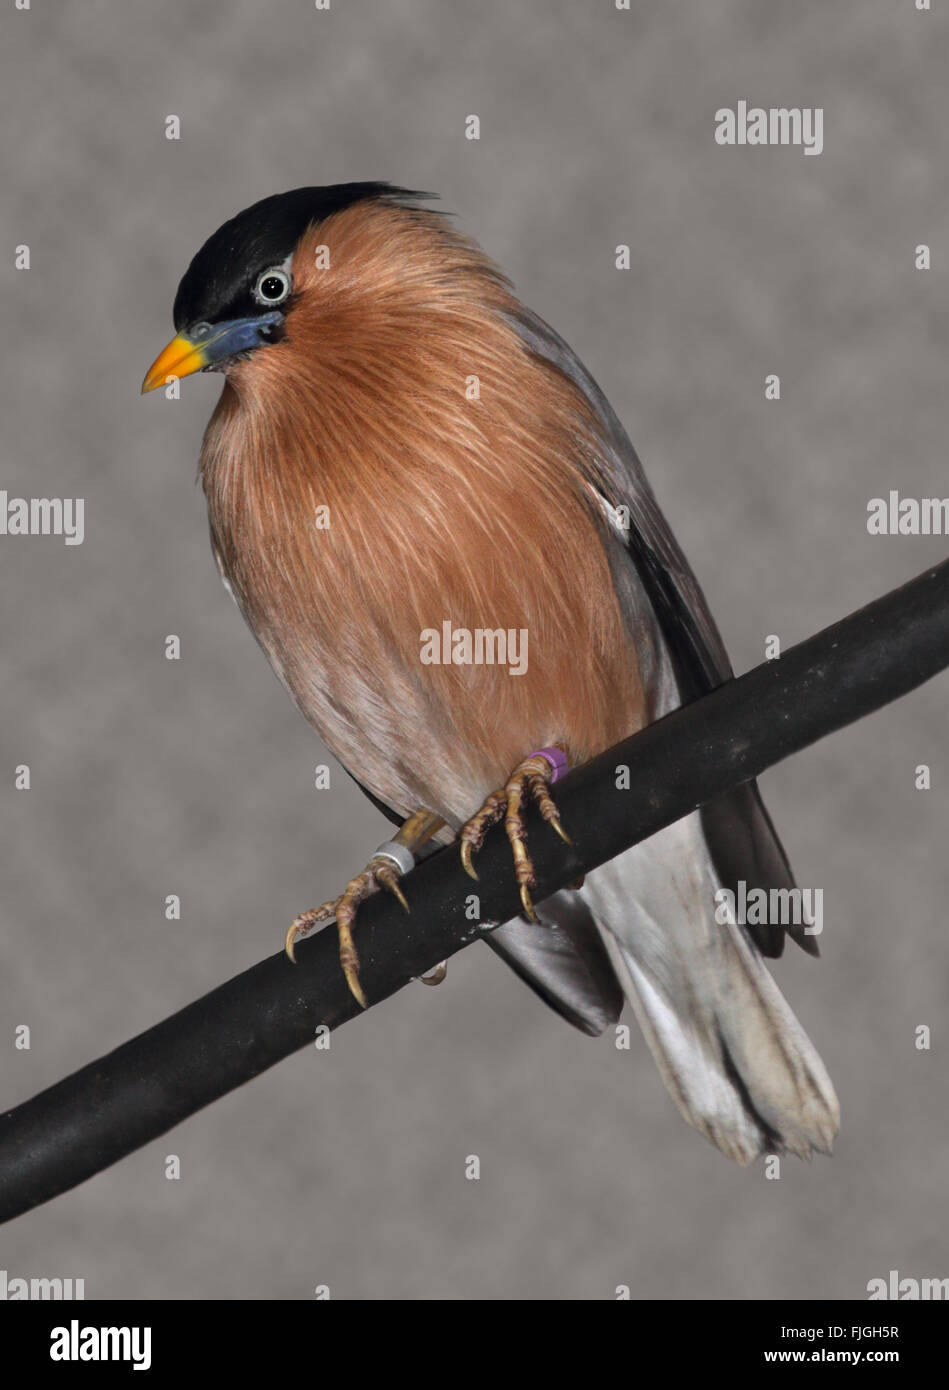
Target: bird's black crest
(217,283)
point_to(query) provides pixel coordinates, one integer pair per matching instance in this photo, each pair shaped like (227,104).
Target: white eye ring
(273,286)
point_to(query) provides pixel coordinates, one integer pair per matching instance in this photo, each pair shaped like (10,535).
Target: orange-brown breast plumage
(440,506)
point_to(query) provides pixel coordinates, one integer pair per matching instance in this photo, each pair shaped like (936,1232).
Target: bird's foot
(530,781)
(390,861)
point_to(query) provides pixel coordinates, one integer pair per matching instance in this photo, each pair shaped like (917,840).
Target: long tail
(734,1058)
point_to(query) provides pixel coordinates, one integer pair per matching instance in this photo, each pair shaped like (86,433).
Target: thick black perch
(111,1107)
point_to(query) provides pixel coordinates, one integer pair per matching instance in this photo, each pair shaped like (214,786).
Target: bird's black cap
(218,282)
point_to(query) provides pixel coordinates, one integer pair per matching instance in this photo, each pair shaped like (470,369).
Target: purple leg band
(557,759)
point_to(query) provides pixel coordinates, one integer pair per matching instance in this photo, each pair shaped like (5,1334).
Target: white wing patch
(617,517)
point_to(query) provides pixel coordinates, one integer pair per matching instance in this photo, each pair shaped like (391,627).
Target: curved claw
(299,927)
(290,940)
(560,831)
(467,865)
(304,923)
(390,881)
(348,956)
(527,904)
(435,975)
(355,988)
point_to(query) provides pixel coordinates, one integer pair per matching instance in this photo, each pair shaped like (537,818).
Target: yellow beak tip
(180,358)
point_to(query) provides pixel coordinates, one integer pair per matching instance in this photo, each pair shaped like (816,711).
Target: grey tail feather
(744,845)
(564,961)
(731,1053)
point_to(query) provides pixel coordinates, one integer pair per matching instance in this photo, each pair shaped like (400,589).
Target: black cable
(113,1106)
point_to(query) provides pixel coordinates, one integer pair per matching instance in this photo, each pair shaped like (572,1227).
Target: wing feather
(740,836)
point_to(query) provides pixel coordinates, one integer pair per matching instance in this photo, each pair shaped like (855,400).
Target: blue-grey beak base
(229,339)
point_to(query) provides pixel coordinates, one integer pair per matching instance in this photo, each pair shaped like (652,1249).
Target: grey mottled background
(195,777)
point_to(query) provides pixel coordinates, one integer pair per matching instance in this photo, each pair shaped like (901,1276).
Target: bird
(401,446)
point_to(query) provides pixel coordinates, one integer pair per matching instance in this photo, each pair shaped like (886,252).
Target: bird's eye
(272,286)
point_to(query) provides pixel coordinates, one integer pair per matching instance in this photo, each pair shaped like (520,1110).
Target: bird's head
(238,291)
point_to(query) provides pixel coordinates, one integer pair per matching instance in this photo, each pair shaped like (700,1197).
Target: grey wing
(738,830)
(564,961)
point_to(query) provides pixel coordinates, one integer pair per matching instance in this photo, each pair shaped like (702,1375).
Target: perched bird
(400,443)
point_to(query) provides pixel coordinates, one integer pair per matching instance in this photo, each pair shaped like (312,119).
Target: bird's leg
(528,782)
(391,860)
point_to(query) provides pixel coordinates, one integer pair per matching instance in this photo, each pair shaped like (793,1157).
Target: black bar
(113,1106)
(221,1340)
